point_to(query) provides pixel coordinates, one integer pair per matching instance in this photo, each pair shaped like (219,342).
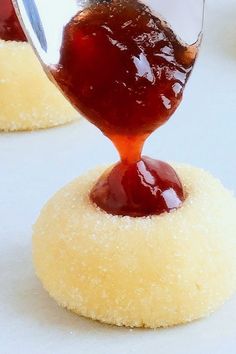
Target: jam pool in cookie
(10,28)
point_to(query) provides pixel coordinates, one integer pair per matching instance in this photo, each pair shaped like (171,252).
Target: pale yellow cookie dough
(139,272)
(28,100)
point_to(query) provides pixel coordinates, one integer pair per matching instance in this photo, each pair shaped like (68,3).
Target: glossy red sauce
(125,70)
(143,188)
(10,29)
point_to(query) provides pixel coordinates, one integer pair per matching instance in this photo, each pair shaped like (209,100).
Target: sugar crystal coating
(140,272)
(28,99)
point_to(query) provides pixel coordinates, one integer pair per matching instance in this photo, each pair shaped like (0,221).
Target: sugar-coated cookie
(141,272)
(28,99)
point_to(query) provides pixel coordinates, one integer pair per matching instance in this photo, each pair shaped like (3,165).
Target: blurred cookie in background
(28,99)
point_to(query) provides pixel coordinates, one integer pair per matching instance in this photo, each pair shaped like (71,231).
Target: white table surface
(35,165)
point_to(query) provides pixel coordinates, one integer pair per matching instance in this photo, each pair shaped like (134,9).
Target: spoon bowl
(44,21)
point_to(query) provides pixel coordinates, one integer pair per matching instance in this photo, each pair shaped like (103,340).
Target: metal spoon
(44,21)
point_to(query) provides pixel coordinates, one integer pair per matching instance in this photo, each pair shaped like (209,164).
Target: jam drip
(10,28)
(125,70)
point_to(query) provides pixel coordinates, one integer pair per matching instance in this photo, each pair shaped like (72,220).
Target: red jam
(126,70)
(10,29)
(143,188)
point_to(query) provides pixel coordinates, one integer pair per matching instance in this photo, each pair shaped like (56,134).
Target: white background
(35,165)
